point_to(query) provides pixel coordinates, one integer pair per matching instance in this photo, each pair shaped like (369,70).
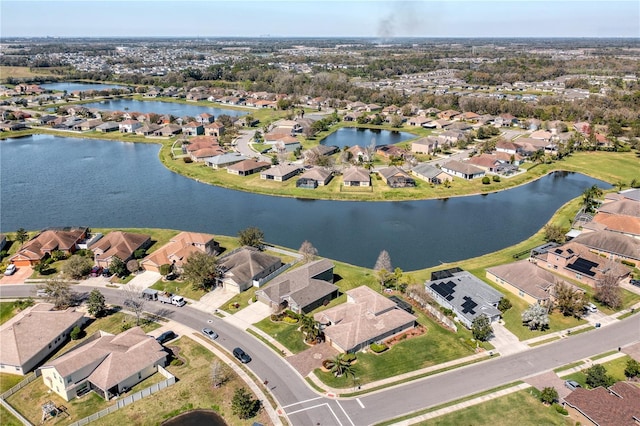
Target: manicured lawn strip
(615,368)
(604,355)
(503,411)
(542,342)
(7,418)
(7,311)
(568,366)
(448,404)
(313,385)
(7,381)
(181,287)
(287,334)
(628,314)
(265,341)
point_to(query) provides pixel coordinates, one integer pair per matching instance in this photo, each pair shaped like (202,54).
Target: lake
(82,87)
(57,181)
(196,418)
(352,136)
(158,107)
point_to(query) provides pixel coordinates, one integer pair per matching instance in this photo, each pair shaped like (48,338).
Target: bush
(176,362)
(75,333)
(626,262)
(560,409)
(290,320)
(125,326)
(187,160)
(378,347)
(496,178)
(349,357)
(486,180)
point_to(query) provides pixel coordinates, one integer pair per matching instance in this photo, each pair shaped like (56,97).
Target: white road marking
(302,402)
(360,403)
(345,413)
(320,405)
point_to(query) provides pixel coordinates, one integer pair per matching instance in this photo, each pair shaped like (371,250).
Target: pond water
(351,136)
(196,418)
(72,87)
(59,181)
(158,107)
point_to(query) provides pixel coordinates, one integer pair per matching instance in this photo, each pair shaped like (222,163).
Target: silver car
(210,333)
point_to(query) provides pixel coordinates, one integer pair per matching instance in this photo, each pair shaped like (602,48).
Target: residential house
(622,216)
(42,245)
(248,167)
(395,177)
(243,268)
(178,249)
(291,127)
(224,160)
(448,114)
(33,334)
(418,121)
(617,405)
(204,154)
(388,110)
(527,280)
(366,317)
(356,106)
(505,120)
(281,172)
(129,126)
(193,128)
(88,125)
(450,137)
(424,145)
(352,116)
(468,116)
(168,130)
(148,129)
(542,135)
(205,118)
(576,261)
(391,151)
(109,126)
(359,153)
(214,129)
(613,245)
(122,245)
(506,147)
(462,170)
(467,296)
(314,177)
(431,174)
(302,289)
(106,364)
(356,176)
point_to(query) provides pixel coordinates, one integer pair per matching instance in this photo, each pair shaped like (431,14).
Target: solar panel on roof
(584,266)
(444,289)
(449,298)
(569,251)
(468,306)
(559,251)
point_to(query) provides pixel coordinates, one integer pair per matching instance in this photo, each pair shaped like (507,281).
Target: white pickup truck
(171,299)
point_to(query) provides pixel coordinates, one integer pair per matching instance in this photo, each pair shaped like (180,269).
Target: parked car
(242,356)
(42,293)
(106,273)
(635,282)
(590,307)
(96,271)
(572,384)
(210,333)
(11,269)
(166,336)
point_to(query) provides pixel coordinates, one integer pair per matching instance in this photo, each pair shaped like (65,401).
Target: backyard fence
(434,311)
(280,270)
(30,378)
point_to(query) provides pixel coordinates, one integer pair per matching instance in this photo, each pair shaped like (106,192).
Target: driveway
(504,341)
(599,318)
(252,314)
(18,277)
(308,360)
(549,379)
(145,279)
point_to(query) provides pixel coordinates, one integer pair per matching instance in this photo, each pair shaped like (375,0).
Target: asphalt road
(305,407)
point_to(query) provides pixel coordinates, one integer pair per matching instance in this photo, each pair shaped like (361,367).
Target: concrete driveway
(252,314)
(504,341)
(18,277)
(145,279)
(599,317)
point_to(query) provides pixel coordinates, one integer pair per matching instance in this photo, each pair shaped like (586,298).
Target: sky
(312,18)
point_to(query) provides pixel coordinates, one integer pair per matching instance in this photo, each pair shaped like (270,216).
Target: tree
(481,328)
(536,317)
(133,266)
(339,366)
(504,305)
(397,277)
(396,121)
(21,235)
(590,197)
(251,236)
(554,233)
(201,270)
(570,301)
(632,368)
(95,304)
(243,405)
(549,395)
(219,373)
(608,291)
(75,333)
(383,268)
(134,300)
(118,267)
(58,292)
(308,251)
(165,269)
(309,327)
(77,267)
(597,376)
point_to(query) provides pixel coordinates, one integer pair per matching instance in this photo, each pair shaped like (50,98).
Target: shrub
(290,320)
(496,178)
(626,262)
(187,160)
(349,357)
(291,314)
(234,305)
(560,409)
(177,362)
(75,333)
(486,180)
(125,326)
(378,347)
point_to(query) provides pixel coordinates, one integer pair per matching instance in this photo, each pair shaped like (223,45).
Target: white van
(590,307)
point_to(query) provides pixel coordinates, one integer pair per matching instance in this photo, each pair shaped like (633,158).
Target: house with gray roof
(365,318)
(242,268)
(467,296)
(248,167)
(109,126)
(302,289)
(425,145)
(105,364)
(462,170)
(431,173)
(314,177)
(356,176)
(224,160)
(281,172)
(32,335)
(395,177)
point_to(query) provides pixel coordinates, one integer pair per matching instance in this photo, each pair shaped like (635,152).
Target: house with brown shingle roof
(314,177)
(178,249)
(614,245)
(49,240)
(281,172)
(33,334)
(395,177)
(619,405)
(214,129)
(243,267)
(527,281)
(118,244)
(356,176)
(302,289)
(105,364)
(365,318)
(248,167)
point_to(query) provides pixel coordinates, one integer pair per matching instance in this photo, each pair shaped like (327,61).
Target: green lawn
(615,369)
(7,310)
(519,408)
(287,334)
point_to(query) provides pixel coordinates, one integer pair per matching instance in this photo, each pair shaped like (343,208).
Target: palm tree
(309,327)
(589,197)
(339,366)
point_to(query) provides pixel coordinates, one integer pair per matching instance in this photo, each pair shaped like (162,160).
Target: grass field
(519,408)
(24,72)
(615,369)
